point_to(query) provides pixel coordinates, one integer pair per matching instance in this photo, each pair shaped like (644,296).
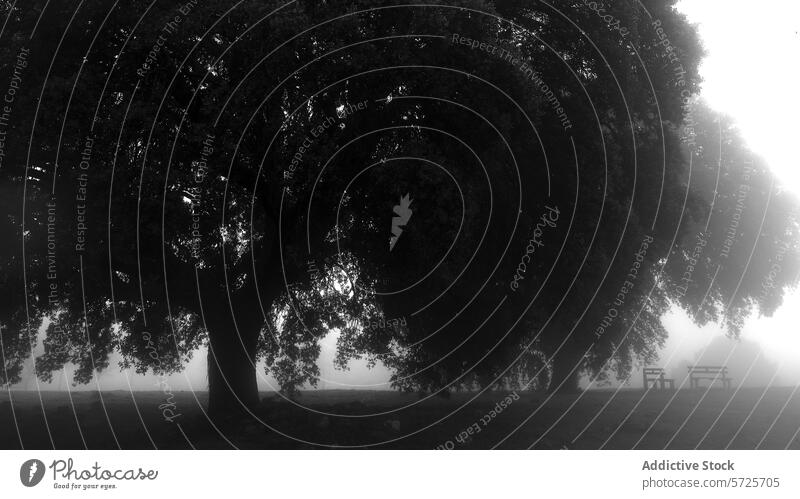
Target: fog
(193,378)
(767,354)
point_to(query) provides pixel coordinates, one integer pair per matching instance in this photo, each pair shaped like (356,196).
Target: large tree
(251,176)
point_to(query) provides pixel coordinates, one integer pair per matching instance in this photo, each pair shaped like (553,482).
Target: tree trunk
(233,334)
(566,372)
(232,387)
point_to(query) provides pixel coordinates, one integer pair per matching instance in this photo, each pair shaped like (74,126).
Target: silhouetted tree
(229,179)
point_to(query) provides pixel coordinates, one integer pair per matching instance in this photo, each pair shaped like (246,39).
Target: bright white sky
(752,73)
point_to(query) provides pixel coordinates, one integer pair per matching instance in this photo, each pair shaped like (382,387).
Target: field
(707,419)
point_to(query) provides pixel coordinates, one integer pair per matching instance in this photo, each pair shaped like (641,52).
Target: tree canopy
(227,174)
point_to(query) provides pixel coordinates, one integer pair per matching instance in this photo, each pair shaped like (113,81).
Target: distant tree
(740,250)
(745,360)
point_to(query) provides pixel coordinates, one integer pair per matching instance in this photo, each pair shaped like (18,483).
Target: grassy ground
(714,419)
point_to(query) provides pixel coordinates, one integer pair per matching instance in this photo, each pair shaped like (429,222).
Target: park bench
(656,375)
(714,373)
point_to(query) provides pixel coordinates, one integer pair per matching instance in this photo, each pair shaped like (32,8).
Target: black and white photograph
(268,227)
